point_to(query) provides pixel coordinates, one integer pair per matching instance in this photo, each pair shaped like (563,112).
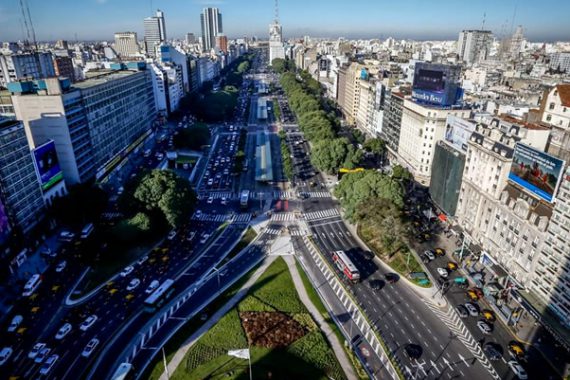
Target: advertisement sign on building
(458,131)
(47,165)
(536,171)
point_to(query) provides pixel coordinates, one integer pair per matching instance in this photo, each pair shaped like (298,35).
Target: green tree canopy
(165,191)
(356,188)
(329,155)
(243,67)
(375,146)
(192,138)
(400,172)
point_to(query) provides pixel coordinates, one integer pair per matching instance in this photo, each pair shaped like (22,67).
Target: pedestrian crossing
(283,216)
(315,194)
(273,231)
(234,218)
(276,195)
(322,214)
(454,323)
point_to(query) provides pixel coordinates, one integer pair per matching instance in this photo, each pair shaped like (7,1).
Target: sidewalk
(325,328)
(179,356)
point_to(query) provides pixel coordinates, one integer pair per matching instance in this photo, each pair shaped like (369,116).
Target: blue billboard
(536,171)
(47,165)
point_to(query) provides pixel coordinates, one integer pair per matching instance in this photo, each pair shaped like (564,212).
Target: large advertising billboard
(536,171)
(47,165)
(458,132)
(429,80)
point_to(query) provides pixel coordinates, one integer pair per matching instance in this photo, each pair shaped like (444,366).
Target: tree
(165,192)
(279,65)
(192,138)
(401,173)
(358,136)
(353,158)
(375,146)
(243,67)
(329,155)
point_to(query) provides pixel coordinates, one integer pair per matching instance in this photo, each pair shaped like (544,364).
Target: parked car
(429,255)
(443,272)
(63,331)
(517,369)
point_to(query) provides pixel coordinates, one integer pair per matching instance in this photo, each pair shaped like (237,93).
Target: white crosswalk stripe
(317,194)
(238,218)
(322,214)
(222,194)
(273,231)
(283,216)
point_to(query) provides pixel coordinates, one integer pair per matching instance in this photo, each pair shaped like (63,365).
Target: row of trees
(330,152)
(286,156)
(192,138)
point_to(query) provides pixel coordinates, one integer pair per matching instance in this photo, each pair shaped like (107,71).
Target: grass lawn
(250,234)
(403,261)
(309,357)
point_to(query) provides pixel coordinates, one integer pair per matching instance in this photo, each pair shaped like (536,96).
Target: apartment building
(25,66)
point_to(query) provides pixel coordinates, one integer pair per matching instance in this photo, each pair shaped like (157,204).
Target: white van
(87,230)
(32,285)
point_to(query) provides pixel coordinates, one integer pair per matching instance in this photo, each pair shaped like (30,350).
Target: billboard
(47,165)
(458,131)
(536,171)
(429,80)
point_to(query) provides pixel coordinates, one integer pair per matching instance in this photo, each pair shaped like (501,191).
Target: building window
(548,117)
(551,106)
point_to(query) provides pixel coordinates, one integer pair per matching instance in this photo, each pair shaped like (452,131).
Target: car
(63,331)
(210,200)
(152,287)
(355,339)
(36,350)
(224,201)
(376,284)
(61,266)
(5,355)
(135,282)
(493,351)
(485,327)
(48,365)
(429,255)
(489,315)
(462,311)
(472,309)
(516,349)
(517,369)
(198,214)
(443,272)
(16,321)
(142,259)
(204,238)
(87,323)
(191,235)
(451,266)
(90,347)
(127,271)
(391,278)
(439,252)
(66,236)
(414,351)
(472,295)
(42,355)
(171,235)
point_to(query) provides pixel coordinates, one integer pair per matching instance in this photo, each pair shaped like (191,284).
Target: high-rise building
(516,44)
(25,66)
(560,62)
(276,48)
(348,94)
(154,32)
(168,86)
(474,45)
(392,123)
(63,66)
(126,44)
(222,42)
(21,199)
(437,84)
(555,109)
(190,38)
(550,282)
(211,22)
(91,122)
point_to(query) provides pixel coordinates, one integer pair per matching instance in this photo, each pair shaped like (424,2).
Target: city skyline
(414,19)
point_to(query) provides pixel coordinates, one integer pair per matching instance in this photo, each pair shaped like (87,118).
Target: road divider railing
(361,320)
(153,326)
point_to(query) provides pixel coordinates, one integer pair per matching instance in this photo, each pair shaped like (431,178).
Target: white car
(191,235)
(61,266)
(127,271)
(443,272)
(152,287)
(205,238)
(5,355)
(472,309)
(429,255)
(36,350)
(133,284)
(517,369)
(210,200)
(171,235)
(211,181)
(63,331)
(87,323)
(484,327)
(224,201)
(42,355)
(66,236)
(88,350)
(16,321)
(48,365)
(142,260)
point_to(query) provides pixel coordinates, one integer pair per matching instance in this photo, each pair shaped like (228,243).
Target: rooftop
(97,77)
(564,92)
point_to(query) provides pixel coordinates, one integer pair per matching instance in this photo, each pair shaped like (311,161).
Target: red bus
(346,266)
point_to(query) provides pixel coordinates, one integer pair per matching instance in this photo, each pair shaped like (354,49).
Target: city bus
(346,266)
(244,198)
(159,296)
(32,285)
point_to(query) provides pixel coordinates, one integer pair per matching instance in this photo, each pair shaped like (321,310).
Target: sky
(542,20)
